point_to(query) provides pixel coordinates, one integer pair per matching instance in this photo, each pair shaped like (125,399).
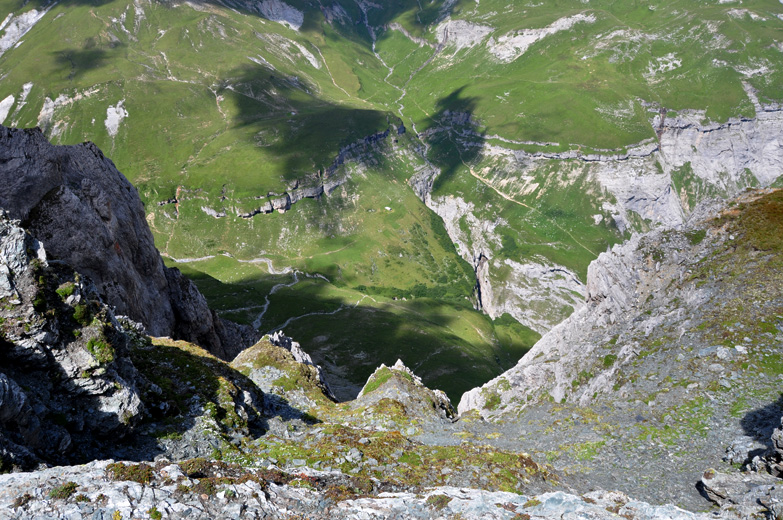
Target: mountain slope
(673,361)
(89,215)
(670,364)
(539,134)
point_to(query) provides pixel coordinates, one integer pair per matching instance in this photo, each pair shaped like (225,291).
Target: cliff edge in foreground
(89,216)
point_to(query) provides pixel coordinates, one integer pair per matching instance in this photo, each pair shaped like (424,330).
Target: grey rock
(55,370)
(777,440)
(90,217)
(279,339)
(725,158)
(642,351)
(412,398)
(26,496)
(742,495)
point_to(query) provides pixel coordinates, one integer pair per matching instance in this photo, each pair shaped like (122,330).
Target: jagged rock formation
(652,272)
(291,382)
(536,293)
(66,379)
(313,186)
(90,217)
(401,394)
(676,349)
(200,406)
(198,403)
(756,490)
(656,182)
(741,495)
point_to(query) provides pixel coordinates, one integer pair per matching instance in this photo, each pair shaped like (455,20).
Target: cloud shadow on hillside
(351,342)
(80,61)
(416,15)
(279,114)
(453,136)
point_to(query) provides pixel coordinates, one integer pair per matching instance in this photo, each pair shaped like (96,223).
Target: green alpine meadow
(423,180)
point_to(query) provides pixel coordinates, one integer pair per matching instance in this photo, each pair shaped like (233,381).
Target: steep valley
(346,141)
(336,219)
(656,398)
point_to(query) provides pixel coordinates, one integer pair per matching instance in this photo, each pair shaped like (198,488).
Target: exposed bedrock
(89,216)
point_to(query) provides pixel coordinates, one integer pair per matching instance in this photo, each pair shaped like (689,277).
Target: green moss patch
(63,491)
(141,473)
(185,372)
(377,379)
(101,349)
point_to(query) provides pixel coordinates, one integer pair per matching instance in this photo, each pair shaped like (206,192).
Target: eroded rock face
(291,382)
(657,181)
(90,217)
(673,356)
(65,374)
(632,290)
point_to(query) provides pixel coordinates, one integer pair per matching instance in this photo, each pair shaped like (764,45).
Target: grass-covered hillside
(397,143)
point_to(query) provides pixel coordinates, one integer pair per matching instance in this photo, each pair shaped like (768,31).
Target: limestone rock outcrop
(397,387)
(66,378)
(257,495)
(634,292)
(291,382)
(674,356)
(89,216)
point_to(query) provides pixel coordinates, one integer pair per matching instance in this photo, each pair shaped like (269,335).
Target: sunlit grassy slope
(222,107)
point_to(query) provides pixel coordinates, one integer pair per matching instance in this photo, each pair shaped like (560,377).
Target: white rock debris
(46,115)
(114,116)
(742,13)
(138,15)
(662,64)
(26,88)
(461,34)
(280,12)
(5,106)
(308,55)
(15,27)
(25,496)
(511,46)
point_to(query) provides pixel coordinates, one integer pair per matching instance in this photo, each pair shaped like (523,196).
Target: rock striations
(90,217)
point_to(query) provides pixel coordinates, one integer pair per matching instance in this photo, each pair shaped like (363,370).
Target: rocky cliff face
(675,354)
(269,493)
(90,217)
(656,182)
(292,450)
(634,291)
(66,379)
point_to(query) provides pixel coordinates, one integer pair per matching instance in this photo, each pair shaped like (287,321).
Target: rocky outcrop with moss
(74,200)
(199,489)
(292,384)
(672,364)
(66,379)
(402,399)
(675,356)
(655,296)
